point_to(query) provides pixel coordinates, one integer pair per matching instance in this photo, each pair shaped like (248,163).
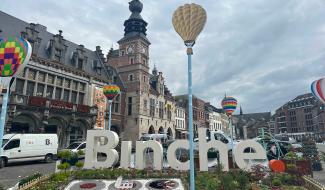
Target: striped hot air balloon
(318,89)
(15,52)
(229,105)
(111,91)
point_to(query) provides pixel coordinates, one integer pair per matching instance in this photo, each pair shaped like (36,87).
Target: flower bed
(212,180)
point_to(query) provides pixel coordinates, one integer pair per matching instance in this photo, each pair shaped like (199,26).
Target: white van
(28,147)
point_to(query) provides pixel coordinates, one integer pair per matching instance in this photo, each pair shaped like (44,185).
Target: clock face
(130,49)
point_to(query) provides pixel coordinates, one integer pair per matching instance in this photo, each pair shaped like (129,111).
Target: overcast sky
(262,52)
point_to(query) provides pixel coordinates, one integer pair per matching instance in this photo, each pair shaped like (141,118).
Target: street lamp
(229,105)
(15,53)
(188,21)
(110,91)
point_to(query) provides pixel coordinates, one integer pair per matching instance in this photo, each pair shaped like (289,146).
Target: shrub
(276,182)
(243,179)
(60,177)
(64,166)
(80,153)
(228,182)
(65,154)
(79,164)
(2,187)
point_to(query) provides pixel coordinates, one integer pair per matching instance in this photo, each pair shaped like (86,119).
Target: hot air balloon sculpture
(188,21)
(110,91)
(229,105)
(318,89)
(15,53)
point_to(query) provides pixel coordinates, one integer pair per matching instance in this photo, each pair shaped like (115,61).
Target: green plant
(243,179)
(29,178)
(60,177)
(79,164)
(64,154)
(276,182)
(219,168)
(64,166)
(228,182)
(80,153)
(2,187)
(207,181)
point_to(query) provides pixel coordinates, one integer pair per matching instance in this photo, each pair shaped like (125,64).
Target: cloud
(262,52)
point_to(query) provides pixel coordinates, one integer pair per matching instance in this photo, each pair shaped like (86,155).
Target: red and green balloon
(15,53)
(111,91)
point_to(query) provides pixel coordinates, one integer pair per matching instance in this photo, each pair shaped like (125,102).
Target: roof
(15,26)
(256,116)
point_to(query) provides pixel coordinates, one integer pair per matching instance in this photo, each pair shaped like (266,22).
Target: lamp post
(229,105)
(110,91)
(188,21)
(15,53)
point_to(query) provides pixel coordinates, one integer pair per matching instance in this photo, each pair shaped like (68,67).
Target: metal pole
(3,115)
(232,141)
(110,114)
(190,118)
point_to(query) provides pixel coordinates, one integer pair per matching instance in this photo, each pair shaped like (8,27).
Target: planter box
(303,167)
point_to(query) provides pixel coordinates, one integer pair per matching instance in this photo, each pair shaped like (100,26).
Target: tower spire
(154,70)
(241,111)
(135,26)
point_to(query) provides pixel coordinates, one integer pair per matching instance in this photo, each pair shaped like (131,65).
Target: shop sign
(61,105)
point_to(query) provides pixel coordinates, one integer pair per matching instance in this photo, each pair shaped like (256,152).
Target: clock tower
(131,61)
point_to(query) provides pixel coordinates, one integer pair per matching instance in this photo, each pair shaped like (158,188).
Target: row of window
(47,78)
(300,104)
(180,124)
(198,115)
(48,91)
(180,113)
(216,126)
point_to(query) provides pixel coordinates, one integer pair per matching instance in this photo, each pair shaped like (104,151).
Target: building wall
(180,123)
(298,117)
(215,123)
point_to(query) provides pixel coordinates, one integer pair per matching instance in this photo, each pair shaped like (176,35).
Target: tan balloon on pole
(188,21)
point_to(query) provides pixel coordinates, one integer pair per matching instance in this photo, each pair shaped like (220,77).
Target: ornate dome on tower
(135,6)
(135,26)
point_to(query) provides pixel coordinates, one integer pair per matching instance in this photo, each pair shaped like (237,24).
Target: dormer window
(57,54)
(122,53)
(31,34)
(80,64)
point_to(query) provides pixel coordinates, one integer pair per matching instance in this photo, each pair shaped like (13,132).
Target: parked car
(28,147)
(77,147)
(157,137)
